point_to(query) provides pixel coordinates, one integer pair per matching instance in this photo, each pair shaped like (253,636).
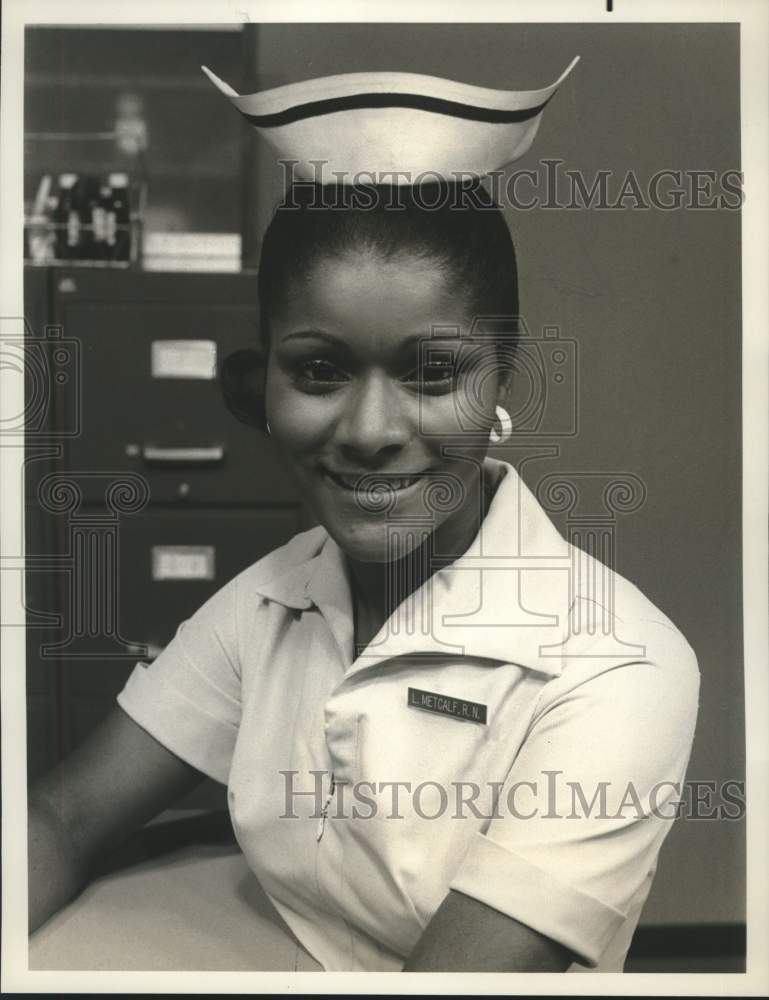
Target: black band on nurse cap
(435,105)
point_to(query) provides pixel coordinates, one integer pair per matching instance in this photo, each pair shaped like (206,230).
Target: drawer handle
(153,649)
(196,456)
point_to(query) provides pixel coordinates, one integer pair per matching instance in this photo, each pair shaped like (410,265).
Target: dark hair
(462,231)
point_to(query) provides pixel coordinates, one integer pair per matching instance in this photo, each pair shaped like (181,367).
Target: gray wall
(74,79)
(653,299)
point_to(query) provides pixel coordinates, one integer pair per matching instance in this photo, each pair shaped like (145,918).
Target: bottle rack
(96,233)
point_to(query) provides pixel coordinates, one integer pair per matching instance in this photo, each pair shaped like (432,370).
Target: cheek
(468,410)
(479,387)
(298,421)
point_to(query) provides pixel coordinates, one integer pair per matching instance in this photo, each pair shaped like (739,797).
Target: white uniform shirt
(502,672)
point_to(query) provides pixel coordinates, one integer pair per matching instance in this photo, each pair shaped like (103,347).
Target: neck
(378,588)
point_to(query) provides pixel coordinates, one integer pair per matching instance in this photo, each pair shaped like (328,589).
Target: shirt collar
(482,605)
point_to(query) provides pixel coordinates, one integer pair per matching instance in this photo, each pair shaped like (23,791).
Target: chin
(376,542)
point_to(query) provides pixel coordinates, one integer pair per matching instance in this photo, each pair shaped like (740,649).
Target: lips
(375,480)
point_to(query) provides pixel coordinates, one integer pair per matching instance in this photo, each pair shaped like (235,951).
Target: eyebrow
(314,335)
(329,338)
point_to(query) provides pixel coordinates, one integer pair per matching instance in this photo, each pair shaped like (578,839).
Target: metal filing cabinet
(156,498)
(31,344)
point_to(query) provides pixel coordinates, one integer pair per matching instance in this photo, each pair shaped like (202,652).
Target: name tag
(444,704)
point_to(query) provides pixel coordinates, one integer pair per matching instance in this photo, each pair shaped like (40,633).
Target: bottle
(66,219)
(119,218)
(99,222)
(37,225)
(87,201)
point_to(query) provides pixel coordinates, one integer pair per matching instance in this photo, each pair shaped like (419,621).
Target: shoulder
(607,620)
(279,576)
(602,624)
(624,653)
(622,615)
(616,642)
(284,560)
(628,687)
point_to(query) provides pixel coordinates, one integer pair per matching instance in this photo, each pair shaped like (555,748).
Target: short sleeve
(188,698)
(590,797)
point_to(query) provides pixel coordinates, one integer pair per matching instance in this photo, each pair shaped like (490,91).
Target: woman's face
(350,395)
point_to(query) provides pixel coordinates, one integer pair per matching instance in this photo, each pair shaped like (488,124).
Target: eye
(436,378)
(318,375)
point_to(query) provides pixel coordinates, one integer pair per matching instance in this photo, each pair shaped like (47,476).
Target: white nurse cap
(393,128)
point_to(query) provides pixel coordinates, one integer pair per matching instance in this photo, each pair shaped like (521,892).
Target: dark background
(652,298)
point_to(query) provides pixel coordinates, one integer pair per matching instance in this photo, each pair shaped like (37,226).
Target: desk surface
(197,907)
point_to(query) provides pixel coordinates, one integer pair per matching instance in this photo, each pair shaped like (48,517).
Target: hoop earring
(505,427)
(267,425)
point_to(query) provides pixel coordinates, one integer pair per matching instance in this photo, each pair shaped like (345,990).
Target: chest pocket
(443,725)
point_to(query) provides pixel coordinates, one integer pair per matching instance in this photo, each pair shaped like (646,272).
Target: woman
(431,763)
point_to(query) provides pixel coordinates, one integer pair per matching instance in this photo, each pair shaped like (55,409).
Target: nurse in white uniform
(444,750)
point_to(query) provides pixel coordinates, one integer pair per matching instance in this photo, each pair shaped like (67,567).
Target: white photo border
(753,17)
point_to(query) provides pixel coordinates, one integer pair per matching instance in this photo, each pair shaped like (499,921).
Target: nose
(373,427)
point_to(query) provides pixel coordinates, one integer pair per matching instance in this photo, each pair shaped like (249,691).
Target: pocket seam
(358,741)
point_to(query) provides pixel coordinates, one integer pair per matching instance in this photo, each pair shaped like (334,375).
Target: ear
(242,383)
(505,382)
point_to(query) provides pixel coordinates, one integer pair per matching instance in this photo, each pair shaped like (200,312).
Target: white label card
(183,562)
(183,359)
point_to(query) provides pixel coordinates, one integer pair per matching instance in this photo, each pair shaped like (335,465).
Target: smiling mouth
(376,481)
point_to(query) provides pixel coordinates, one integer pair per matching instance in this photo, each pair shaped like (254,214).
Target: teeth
(397,483)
